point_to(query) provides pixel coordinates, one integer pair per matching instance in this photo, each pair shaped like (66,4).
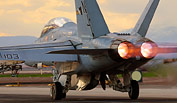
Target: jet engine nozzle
(126,50)
(149,50)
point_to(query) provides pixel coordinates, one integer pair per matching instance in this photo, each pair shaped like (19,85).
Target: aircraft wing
(37,52)
(80,51)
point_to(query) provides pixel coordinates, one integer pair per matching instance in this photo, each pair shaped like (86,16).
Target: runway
(41,94)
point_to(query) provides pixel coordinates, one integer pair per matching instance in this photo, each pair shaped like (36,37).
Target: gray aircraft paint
(90,21)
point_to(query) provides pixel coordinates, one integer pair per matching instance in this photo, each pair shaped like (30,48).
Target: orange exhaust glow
(125,50)
(148,50)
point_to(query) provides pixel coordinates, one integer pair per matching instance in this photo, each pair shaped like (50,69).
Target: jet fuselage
(105,61)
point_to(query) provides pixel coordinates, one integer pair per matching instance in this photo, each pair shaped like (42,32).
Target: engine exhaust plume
(149,50)
(126,50)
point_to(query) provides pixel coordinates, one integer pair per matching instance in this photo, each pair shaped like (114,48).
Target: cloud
(1,12)
(30,20)
(119,21)
(102,1)
(41,14)
(48,11)
(25,3)
(14,11)
(5,34)
(27,17)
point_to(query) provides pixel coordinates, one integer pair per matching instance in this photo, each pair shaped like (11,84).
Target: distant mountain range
(16,40)
(163,34)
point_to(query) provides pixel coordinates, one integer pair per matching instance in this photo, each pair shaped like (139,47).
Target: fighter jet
(87,53)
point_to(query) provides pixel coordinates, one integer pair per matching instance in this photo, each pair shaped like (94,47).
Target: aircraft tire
(134,90)
(64,95)
(56,91)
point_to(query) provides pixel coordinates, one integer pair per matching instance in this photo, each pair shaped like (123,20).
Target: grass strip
(145,74)
(27,75)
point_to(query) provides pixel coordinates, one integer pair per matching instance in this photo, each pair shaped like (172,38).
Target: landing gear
(57,91)
(134,90)
(15,70)
(128,85)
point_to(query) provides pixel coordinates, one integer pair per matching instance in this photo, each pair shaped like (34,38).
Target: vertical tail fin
(143,24)
(90,21)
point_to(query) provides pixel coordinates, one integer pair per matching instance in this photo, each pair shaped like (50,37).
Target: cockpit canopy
(54,23)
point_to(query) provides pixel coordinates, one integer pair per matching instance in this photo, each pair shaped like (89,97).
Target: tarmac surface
(153,90)
(41,94)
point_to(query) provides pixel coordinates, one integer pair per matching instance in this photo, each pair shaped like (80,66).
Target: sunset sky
(27,17)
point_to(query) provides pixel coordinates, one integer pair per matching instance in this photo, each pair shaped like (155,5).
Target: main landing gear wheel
(56,91)
(134,90)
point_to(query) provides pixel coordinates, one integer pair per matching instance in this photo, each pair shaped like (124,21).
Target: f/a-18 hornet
(87,53)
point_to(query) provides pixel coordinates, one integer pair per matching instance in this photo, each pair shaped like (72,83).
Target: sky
(28,17)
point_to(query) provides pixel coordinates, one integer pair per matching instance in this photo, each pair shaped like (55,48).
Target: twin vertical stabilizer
(143,23)
(90,21)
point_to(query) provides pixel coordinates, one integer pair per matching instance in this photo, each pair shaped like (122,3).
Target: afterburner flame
(148,50)
(125,50)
